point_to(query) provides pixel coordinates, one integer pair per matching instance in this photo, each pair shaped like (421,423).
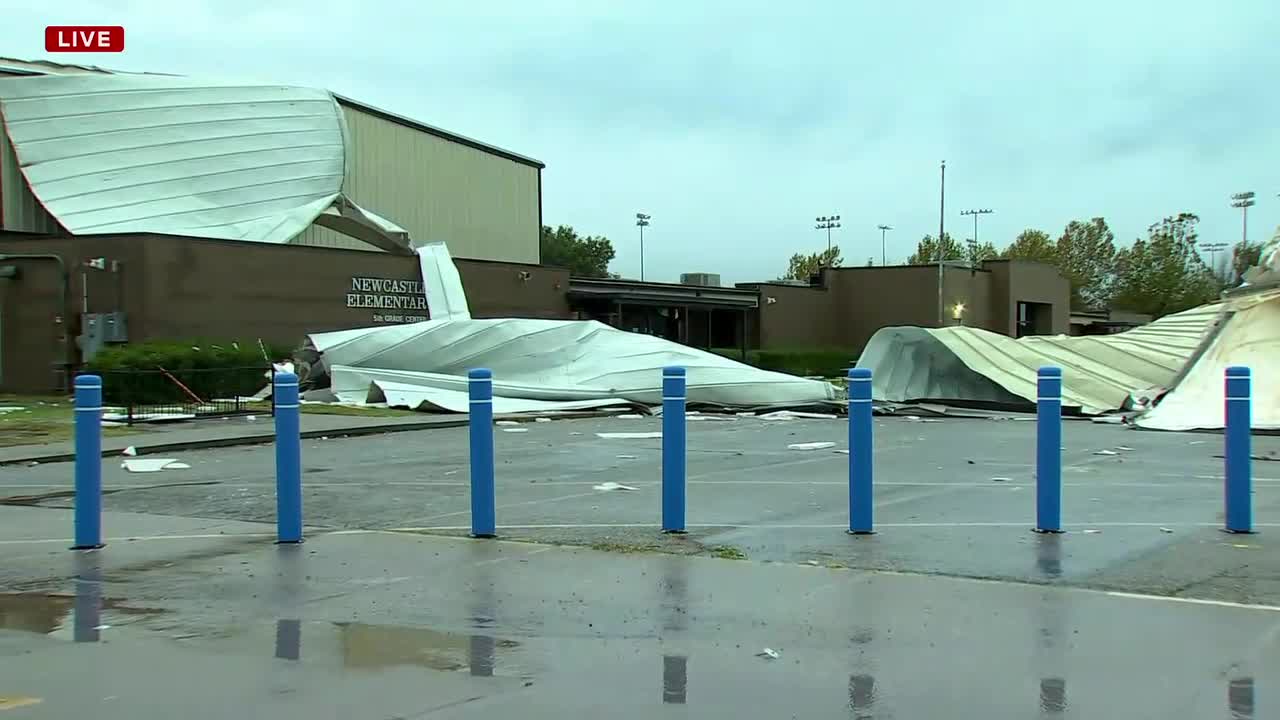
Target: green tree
(1034,245)
(583,255)
(802,267)
(1163,274)
(929,251)
(1086,255)
(1244,255)
(976,253)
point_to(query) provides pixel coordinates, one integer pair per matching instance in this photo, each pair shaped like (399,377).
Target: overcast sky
(734,124)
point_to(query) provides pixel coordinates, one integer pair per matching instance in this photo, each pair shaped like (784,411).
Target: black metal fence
(160,395)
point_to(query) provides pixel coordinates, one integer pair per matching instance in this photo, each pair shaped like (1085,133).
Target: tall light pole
(883,229)
(1213,249)
(975,214)
(942,229)
(1244,201)
(827,223)
(642,221)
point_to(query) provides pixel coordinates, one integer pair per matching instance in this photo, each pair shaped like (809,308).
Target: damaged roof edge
(439,132)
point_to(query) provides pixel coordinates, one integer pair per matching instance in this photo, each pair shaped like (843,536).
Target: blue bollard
(480,390)
(88,513)
(1239,473)
(288,458)
(1049,450)
(861,460)
(673,449)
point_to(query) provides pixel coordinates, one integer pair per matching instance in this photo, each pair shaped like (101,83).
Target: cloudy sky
(734,124)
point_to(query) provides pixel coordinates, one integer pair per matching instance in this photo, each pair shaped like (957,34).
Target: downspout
(64,289)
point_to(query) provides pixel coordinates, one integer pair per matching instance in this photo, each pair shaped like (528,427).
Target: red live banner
(84,38)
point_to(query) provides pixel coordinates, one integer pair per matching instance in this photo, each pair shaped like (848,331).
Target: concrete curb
(232,441)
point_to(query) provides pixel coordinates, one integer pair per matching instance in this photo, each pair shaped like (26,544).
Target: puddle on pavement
(48,613)
(373,647)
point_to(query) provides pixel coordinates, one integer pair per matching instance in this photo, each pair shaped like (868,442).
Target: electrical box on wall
(102,329)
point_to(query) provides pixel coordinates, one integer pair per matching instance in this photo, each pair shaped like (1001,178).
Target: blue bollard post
(480,389)
(1049,450)
(288,458)
(861,460)
(673,449)
(1239,472)
(88,430)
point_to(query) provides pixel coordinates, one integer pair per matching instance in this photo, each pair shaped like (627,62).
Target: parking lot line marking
(823,526)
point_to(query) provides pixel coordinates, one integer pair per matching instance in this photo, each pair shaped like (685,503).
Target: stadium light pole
(883,229)
(975,214)
(642,221)
(1244,201)
(827,223)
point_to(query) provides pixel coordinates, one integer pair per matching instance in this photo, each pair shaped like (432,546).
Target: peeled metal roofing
(1099,372)
(171,155)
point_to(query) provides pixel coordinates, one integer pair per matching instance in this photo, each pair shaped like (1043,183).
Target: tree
(1086,255)
(1244,255)
(977,253)
(929,251)
(802,267)
(1034,245)
(1163,274)
(584,256)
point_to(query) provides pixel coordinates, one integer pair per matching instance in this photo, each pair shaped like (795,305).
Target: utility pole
(827,223)
(975,214)
(642,221)
(1244,201)
(883,229)
(1213,249)
(942,229)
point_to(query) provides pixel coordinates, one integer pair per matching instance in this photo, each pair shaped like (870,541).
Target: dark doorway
(1034,319)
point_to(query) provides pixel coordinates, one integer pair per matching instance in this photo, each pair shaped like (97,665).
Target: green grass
(348,410)
(624,548)
(727,552)
(44,419)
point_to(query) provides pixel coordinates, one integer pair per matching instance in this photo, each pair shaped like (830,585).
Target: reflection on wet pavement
(1053,696)
(46,613)
(289,639)
(862,696)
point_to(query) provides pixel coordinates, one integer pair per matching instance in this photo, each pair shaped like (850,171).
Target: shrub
(827,363)
(145,373)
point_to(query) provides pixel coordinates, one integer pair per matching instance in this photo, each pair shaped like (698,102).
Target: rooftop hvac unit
(701,279)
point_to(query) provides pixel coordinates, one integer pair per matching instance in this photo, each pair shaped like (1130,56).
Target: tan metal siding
(481,205)
(19,209)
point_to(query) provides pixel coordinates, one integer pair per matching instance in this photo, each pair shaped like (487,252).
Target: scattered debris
(143,465)
(630,435)
(130,451)
(575,432)
(1123,448)
(1166,530)
(843,452)
(33,463)
(1001,479)
(506,423)
(451,472)
(542,419)
(515,430)
(811,446)
(625,457)
(1196,442)
(251,418)
(629,416)
(813,563)
(112,423)
(1092,532)
(769,653)
(970,462)
(1105,452)
(611,486)
(791,415)
(11,408)
(324,437)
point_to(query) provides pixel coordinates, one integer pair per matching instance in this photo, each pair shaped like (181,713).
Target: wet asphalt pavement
(394,625)
(954,497)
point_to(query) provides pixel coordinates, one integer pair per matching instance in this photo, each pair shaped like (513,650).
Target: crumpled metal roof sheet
(1099,372)
(173,155)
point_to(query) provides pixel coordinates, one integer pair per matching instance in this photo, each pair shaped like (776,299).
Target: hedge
(135,373)
(804,362)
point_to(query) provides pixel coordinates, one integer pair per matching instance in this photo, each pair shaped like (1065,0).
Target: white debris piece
(542,419)
(11,408)
(251,418)
(811,446)
(629,416)
(515,429)
(145,465)
(575,432)
(1105,452)
(1001,479)
(506,423)
(625,457)
(130,451)
(1123,448)
(769,653)
(611,486)
(112,423)
(1166,530)
(1092,532)
(630,435)
(792,415)
(843,452)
